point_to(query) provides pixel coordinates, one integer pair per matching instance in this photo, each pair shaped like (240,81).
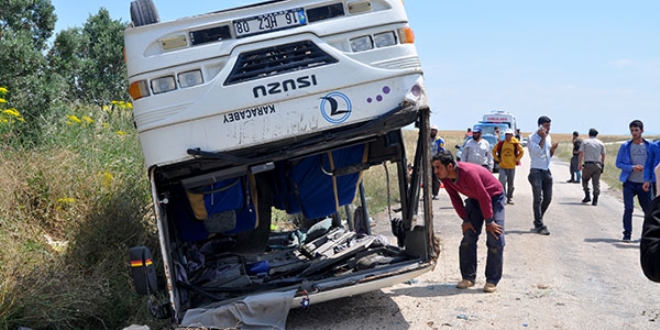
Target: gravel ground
(579,277)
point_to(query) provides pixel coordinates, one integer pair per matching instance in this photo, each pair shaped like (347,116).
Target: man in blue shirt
(631,159)
(541,149)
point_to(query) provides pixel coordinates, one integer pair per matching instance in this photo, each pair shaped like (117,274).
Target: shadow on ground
(435,290)
(366,311)
(616,242)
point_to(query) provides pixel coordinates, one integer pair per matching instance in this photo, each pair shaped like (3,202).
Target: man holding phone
(541,149)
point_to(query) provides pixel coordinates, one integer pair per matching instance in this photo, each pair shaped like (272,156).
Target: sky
(586,63)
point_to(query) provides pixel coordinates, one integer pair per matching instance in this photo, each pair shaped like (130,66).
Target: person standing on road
(437,145)
(649,247)
(468,133)
(652,161)
(631,159)
(484,203)
(508,154)
(592,163)
(574,160)
(541,150)
(477,150)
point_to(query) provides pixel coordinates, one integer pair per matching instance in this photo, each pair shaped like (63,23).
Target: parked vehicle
(524,141)
(488,137)
(249,110)
(489,128)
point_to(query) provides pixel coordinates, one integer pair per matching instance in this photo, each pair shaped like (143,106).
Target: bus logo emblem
(336,107)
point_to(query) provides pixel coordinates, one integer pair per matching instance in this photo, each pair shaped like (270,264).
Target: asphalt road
(580,277)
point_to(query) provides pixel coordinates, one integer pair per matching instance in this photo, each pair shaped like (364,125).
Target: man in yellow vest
(508,154)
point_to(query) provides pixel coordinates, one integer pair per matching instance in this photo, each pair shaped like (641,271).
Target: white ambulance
(276,105)
(500,116)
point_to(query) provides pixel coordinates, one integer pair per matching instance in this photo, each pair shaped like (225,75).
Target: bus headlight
(361,44)
(190,78)
(384,39)
(163,84)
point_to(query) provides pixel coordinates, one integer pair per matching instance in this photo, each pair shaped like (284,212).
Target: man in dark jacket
(650,244)
(577,142)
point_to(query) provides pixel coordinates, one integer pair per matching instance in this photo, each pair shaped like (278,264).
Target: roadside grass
(376,178)
(70,210)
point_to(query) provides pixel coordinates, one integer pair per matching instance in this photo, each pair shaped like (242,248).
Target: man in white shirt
(591,161)
(541,149)
(478,150)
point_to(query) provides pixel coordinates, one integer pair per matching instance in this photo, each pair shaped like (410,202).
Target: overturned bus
(276,107)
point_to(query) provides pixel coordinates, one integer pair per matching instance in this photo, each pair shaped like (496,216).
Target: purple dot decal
(416,90)
(369,100)
(386,89)
(379,98)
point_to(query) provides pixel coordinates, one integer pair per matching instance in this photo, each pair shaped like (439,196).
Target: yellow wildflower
(106,125)
(3,90)
(120,133)
(106,108)
(66,200)
(88,120)
(107,179)
(74,119)
(3,100)
(123,105)
(12,112)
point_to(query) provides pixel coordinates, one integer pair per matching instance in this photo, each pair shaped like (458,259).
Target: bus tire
(144,12)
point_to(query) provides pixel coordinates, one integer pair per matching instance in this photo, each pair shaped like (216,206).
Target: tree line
(83,65)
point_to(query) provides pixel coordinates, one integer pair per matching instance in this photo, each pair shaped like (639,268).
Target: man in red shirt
(485,203)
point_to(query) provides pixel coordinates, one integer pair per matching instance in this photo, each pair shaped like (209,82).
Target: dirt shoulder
(579,277)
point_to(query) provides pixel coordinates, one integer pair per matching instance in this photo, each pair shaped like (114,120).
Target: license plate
(269,22)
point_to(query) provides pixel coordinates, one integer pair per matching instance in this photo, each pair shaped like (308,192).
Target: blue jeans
(630,189)
(574,168)
(541,181)
(468,250)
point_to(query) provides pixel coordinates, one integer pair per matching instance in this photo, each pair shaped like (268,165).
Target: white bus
(274,70)
(276,105)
